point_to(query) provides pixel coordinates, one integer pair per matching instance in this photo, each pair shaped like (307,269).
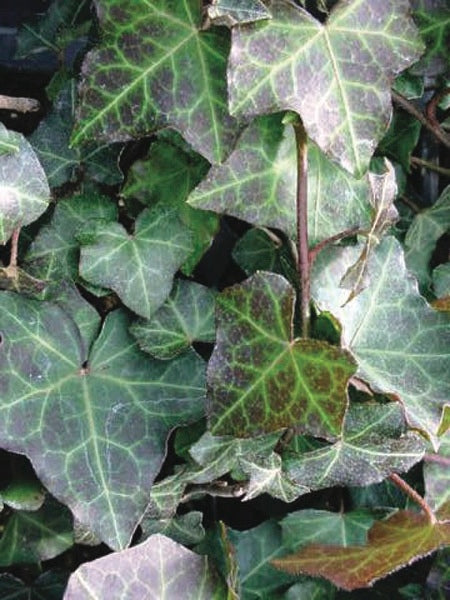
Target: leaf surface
(260,379)
(234,12)
(157,568)
(393,543)
(411,357)
(185,317)
(373,445)
(138,267)
(95,431)
(436,475)
(24,191)
(441,280)
(162,71)
(48,586)
(336,76)
(263,167)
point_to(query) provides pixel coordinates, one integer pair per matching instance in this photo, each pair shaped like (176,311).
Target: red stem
(417,498)
(437,458)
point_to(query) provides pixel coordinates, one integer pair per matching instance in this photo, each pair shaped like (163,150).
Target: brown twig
(19,104)
(410,204)
(437,458)
(417,498)
(431,107)
(419,115)
(302,224)
(14,248)
(419,162)
(334,238)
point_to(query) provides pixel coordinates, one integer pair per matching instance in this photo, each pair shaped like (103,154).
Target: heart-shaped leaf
(157,568)
(260,379)
(162,72)
(24,191)
(263,167)
(94,426)
(400,540)
(336,76)
(138,267)
(411,357)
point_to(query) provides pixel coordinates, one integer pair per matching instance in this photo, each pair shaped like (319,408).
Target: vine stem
(415,112)
(438,459)
(419,162)
(417,498)
(14,248)
(303,267)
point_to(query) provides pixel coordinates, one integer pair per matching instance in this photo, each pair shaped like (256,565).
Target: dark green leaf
(24,493)
(49,586)
(95,431)
(260,379)
(335,76)
(186,316)
(157,568)
(401,139)
(185,529)
(434,27)
(318,589)
(162,71)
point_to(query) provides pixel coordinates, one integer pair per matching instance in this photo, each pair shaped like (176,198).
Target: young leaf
(428,226)
(263,167)
(411,357)
(24,191)
(185,317)
(260,379)
(162,72)
(336,76)
(237,12)
(157,568)
(373,445)
(95,431)
(30,537)
(396,542)
(138,267)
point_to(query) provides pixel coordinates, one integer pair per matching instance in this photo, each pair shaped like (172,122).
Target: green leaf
(30,537)
(48,586)
(138,267)
(25,492)
(436,475)
(318,589)
(63,164)
(167,175)
(157,568)
(187,316)
(401,138)
(236,12)
(410,358)
(441,280)
(185,529)
(94,426)
(336,76)
(162,72)
(24,191)
(434,27)
(426,229)
(304,527)
(400,540)
(263,167)
(8,141)
(260,379)
(54,252)
(373,445)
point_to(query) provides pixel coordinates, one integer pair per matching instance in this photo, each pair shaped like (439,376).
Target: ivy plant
(224,324)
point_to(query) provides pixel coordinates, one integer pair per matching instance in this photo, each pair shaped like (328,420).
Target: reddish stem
(437,458)
(417,498)
(334,238)
(430,110)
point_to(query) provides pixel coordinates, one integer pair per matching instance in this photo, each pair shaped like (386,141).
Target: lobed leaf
(94,425)
(260,379)
(400,343)
(336,76)
(156,71)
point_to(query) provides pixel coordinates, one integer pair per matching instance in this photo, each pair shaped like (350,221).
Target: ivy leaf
(184,529)
(185,317)
(30,537)
(236,12)
(260,379)
(434,26)
(420,241)
(123,405)
(401,138)
(318,589)
(24,191)
(162,72)
(25,492)
(138,267)
(291,61)
(436,475)
(61,162)
(9,143)
(263,167)
(373,445)
(411,358)
(167,175)
(48,586)
(441,280)
(394,543)
(157,568)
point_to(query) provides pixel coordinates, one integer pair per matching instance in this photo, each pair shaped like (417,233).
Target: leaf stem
(415,112)
(334,238)
(417,498)
(14,248)
(419,162)
(302,225)
(437,458)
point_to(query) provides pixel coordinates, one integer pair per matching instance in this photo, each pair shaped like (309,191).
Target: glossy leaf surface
(95,431)
(260,379)
(336,76)
(162,72)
